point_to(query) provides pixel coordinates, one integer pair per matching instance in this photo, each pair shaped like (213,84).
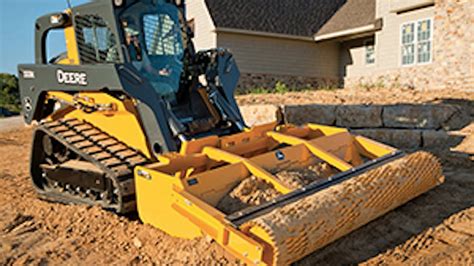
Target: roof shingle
(290,17)
(354,14)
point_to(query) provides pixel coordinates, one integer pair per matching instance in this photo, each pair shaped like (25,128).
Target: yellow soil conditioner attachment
(182,194)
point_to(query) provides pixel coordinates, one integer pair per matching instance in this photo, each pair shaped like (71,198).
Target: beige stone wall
(470,21)
(453,49)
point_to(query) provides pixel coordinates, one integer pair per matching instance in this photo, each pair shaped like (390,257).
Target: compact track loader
(132,118)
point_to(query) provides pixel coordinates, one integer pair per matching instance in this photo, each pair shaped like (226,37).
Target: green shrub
(257,90)
(281,87)
(9,93)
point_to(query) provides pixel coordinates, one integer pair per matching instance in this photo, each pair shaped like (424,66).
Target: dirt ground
(361,96)
(435,228)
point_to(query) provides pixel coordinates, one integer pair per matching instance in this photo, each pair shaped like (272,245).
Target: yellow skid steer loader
(132,118)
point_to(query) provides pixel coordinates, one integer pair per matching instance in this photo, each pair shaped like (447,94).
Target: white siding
(205,36)
(269,55)
(353,58)
(388,40)
(387,43)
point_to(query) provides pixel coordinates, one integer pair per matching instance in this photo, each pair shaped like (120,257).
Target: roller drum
(301,227)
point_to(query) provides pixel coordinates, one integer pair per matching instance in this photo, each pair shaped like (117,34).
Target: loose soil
(362,96)
(37,232)
(253,191)
(435,228)
(300,177)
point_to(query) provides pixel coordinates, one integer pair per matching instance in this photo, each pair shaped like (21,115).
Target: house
(313,43)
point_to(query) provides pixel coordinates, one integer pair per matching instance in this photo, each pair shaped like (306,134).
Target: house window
(369,52)
(424,41)
(416,42)
(408,44)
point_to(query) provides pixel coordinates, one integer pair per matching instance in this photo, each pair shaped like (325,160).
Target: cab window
(162,35)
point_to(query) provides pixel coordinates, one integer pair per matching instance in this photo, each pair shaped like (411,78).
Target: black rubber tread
(113,157)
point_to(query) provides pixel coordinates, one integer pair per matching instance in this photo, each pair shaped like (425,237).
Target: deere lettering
(71,78)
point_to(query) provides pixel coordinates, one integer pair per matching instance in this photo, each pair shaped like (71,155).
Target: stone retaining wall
(404,126)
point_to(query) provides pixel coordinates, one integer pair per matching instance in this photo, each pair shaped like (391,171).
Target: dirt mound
(300,177)
(253,191)
(360,96)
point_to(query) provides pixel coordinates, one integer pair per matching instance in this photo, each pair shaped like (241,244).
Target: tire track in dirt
(451,243)
(34,231)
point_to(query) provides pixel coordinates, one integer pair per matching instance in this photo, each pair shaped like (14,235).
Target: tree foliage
(9,93)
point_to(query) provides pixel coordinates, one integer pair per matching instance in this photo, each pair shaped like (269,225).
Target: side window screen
(96,42)
(162,35)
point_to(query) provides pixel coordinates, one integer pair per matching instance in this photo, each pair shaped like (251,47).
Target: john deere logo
(71,78)
(279,155)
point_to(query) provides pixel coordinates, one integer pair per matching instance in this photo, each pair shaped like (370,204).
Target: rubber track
(110,155)
(302,227)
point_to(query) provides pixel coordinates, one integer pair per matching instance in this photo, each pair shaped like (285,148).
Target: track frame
(87,143)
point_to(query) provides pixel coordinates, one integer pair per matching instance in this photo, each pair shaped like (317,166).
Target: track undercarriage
(74,162)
